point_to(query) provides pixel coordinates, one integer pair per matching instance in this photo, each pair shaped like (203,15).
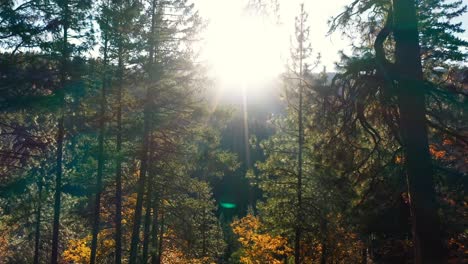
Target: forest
(117,147)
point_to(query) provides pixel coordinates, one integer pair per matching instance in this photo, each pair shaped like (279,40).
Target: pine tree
(170,24)
(397,83)
(72,16)
(427,238)
(105,26)
(439,35)
(124,28)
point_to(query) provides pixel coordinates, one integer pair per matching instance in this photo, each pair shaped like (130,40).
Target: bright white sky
(253,48)
(245,50)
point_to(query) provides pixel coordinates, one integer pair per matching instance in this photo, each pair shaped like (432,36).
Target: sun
(242,49)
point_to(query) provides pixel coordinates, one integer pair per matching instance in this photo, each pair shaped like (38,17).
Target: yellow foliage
(174,254)
(259,247)
(77,251)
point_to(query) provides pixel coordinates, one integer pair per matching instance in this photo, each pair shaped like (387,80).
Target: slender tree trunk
(144,151)
(324,231)
(161,238)
(100,169)
(298,231)
(60,138)
(58,192)
(323,257)
(140,189)
(37,237)
(146,229)
(149,207)
(204,238)
(364,256)
(427,239)
(118,168)
(154,230)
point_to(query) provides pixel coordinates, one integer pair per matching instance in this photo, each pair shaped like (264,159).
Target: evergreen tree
(389,80)
(170,23)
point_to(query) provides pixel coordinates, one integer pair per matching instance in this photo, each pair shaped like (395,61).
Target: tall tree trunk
(298,231)
(144,151)
(323,257)
(58,192)
(60,138)
(204,236)
(161,237)
(100,169)
(324,231)
(149,207)
(37,237)
(154,229)
(364,256)
(118,167)
(146,229)
(428,246)
(140,187)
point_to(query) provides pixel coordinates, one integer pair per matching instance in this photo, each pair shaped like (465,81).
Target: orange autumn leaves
(433,150)
(436,153)
(259,247)
(439,151)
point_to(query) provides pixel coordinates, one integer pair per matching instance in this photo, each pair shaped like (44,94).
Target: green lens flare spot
(228,205)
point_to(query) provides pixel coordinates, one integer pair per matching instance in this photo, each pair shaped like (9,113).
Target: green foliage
(201,161)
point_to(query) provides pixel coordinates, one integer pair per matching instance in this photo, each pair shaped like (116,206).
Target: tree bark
(323,257)
(428,246)
(100,169)
(161,238)
(140,188)
(204,236)
(298,231)
(154,229)
(60,138)
(146,229)
(364,256)
(118,168)
(144,151)
(37,237)
(58,192)
(324,231)
(148,219)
